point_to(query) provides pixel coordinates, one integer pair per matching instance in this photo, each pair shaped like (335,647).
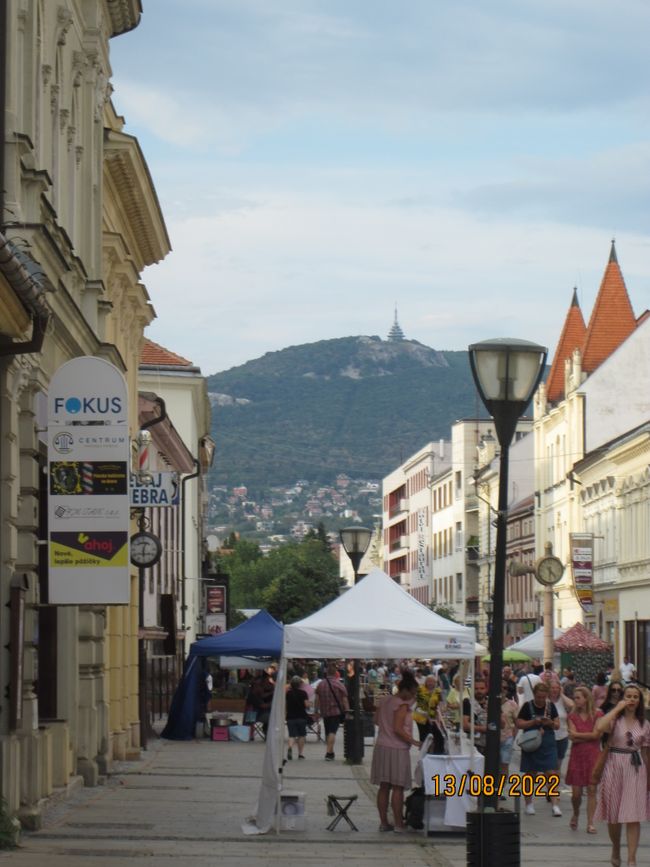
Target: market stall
(375,619)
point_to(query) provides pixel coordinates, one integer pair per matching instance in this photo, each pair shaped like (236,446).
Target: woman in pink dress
(623,792)
(584,739)
(391,763)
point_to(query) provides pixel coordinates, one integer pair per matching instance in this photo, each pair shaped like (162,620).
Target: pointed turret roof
(396,332)
(612,319)
(572,337)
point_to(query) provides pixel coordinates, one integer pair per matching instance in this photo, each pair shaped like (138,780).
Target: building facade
(79,221)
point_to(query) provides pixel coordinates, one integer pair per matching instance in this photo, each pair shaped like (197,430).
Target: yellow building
(79,221)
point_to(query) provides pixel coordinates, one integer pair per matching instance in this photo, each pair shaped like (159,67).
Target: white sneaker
(530,809)
(556,810)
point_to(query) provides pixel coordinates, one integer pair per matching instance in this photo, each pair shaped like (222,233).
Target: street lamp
(506,373)
(355,541)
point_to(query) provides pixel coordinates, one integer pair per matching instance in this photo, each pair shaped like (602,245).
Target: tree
(304,578)
(444,611)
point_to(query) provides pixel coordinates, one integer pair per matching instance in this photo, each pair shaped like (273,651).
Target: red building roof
(153,353)
(572,337)
(612,319)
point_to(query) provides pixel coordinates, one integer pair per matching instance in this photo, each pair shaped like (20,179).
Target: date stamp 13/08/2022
(509,786)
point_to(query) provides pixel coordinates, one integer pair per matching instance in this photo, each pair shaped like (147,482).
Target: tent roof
(377,619)
(533,644)
(259,636)
(578,638)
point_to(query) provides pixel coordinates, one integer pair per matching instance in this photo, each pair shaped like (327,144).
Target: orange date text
(512,786)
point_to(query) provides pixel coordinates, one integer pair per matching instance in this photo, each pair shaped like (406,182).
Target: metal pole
(493,736)
(548,624)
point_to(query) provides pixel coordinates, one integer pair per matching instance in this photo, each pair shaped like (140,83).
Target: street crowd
(592,737)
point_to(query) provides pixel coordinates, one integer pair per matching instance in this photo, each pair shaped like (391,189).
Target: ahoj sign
(88,484)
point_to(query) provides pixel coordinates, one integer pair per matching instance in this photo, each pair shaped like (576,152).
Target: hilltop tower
(396,334)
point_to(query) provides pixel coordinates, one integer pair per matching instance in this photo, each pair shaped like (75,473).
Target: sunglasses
(630,739)
(615,689)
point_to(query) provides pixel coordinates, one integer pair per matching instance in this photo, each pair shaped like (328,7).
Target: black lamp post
(506,372)
(489,611)
(355,541)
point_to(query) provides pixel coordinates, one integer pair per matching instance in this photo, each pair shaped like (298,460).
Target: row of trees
(291,582)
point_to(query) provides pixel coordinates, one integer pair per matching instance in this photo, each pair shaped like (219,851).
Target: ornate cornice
(123,15)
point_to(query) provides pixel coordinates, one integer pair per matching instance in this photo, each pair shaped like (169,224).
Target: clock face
(549,570)
(146,549)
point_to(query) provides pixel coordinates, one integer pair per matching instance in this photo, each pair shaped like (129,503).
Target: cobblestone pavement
(184,802)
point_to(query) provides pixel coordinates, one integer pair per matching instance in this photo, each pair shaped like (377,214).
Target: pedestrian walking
(297,716)
(584,738)
(331,701)
(540,713)
(623,791)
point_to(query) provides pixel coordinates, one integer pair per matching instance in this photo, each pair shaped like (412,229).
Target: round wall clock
(146,550)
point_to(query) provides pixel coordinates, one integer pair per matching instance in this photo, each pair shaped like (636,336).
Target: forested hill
(357,405)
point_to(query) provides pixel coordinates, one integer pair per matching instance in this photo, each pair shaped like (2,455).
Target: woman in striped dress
(623,792)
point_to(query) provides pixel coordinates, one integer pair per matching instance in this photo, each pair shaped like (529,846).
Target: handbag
(599,766)
(530,739)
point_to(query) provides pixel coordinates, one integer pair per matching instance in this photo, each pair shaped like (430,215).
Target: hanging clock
(146,549)
(549,570)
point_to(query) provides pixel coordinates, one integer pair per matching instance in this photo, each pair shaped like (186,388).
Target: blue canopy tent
(261,636)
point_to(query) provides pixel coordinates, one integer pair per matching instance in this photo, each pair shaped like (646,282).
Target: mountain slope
(357,405)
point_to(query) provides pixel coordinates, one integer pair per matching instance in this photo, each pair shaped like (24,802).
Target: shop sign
(88,484)
(582,564)
(161,489)
(215,609)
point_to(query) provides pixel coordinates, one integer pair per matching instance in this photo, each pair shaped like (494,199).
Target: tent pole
(279,735)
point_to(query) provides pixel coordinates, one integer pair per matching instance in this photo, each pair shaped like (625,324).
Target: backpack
(414,809)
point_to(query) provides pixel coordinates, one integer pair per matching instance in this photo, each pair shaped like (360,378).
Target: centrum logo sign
(63,442)
(92,405)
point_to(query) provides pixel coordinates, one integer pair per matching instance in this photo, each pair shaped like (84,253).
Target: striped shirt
(326,701)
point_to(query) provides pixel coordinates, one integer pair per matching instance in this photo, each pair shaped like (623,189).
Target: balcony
(399,507)
(471,549)
(471,605)
(399,543)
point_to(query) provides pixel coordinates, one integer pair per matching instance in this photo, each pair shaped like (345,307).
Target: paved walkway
(183,804)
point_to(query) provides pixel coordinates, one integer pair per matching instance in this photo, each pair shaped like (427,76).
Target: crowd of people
(601,727)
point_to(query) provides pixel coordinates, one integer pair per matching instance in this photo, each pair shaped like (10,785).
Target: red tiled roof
(572,337)
(153,353)
(612,319)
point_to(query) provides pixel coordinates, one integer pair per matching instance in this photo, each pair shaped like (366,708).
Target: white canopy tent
(533,644)
(375,619)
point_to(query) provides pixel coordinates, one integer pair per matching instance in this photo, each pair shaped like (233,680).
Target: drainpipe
(4,27)
(183,559)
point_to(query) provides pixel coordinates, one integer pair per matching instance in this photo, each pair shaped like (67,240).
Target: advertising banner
(215,609)
(582,563)
(88,484)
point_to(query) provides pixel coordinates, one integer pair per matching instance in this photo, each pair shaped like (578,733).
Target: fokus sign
(88,484)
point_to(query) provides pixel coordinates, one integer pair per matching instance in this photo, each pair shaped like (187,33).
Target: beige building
(79,221)
(596,392)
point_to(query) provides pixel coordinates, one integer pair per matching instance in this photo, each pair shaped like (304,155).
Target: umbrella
(511,656)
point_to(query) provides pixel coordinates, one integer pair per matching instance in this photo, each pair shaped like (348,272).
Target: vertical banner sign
(215,609)
(582,563)
(88,484)
(422,558)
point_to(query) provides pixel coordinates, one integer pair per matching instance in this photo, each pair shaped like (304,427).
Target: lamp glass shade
(489,607)
(355,540)
(507,369)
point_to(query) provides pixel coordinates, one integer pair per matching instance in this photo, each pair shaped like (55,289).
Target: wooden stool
(338,806)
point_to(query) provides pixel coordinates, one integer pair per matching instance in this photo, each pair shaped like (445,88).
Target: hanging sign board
(88,484)
(582,562)
(161,489)
(215,609)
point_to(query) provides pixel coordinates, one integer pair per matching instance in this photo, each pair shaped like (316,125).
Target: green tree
(444,611)
(303,578)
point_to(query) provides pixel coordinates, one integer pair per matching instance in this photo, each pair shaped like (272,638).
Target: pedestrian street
(184,802)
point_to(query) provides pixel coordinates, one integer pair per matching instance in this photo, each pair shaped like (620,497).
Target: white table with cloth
(452,810)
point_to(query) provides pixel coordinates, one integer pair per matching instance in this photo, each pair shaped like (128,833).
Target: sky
(319,162)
